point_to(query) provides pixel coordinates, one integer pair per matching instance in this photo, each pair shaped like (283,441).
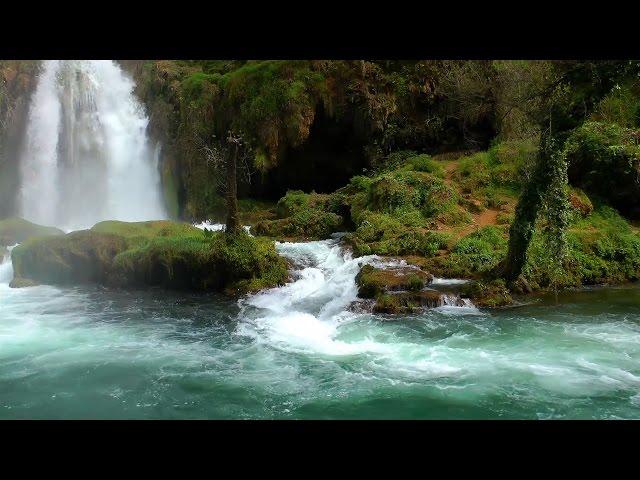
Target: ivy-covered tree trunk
(524,222)
(548,171)
(233,222)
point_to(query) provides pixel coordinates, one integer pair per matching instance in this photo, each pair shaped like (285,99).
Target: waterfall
(87,157)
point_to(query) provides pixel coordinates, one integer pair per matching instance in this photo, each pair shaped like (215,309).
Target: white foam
(448,281)
(217,227)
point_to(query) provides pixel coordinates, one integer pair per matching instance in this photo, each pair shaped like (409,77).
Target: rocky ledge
(158,253)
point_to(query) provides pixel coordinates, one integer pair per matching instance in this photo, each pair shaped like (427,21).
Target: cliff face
(17,82)
(307,125)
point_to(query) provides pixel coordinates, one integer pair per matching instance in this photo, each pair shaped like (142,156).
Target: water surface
(302,351)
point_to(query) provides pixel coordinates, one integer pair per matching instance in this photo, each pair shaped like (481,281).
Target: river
(303,351)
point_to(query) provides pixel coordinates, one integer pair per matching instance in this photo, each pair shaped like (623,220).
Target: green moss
(424,163)
(407,302)
(373,281)
(161,253)
(473,255)
(488,294)
(602,248)
(406,189)
(303,216)
(17,230)
(78,257)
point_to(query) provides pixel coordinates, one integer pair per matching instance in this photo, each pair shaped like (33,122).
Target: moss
(374,281)
(17,230)
(159,253)
(488,294)
(303,216)
(424,163)
(407,302)
(399,190)
(602,249)
(480,251)
(78,257)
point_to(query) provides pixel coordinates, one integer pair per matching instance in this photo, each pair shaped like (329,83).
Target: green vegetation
(372,281)
(302,216)
(17,230)
(159,253)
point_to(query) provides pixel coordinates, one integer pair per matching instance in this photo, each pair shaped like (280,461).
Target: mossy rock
(488,294)
(407,302)
(22,283)
(75,258)
(233,263)
(17,230)
(163,254)
(373,281)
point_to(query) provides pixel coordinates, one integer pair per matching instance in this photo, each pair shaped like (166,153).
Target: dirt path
(488,216)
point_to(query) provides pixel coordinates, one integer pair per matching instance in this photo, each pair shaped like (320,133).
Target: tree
(233,223)
(228,153)
(571,96)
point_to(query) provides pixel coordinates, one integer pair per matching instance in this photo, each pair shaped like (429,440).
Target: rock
(22,283)
(491,294)
(374,281)
(78,257)
(17,230)
(407,302)
(165,254)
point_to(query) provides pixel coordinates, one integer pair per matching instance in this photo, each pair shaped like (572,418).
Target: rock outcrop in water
(373,281)
(159,253)
(397,289)
(17,230)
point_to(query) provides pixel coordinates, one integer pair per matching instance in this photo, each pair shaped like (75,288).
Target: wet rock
(488,294)
(373,281)
(22,283)
(17,230)
(408,302)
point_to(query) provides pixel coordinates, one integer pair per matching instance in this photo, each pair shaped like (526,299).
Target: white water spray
(309,313)
(87,157)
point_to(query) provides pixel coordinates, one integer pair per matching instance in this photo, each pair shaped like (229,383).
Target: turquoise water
(303,351)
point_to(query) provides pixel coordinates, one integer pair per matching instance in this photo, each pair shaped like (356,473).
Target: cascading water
(308,314)
(87,157)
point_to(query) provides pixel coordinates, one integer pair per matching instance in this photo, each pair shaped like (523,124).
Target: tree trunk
(526,214)
(233,223)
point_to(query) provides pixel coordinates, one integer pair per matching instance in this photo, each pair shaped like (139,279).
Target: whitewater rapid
(87,157)
(311,313)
